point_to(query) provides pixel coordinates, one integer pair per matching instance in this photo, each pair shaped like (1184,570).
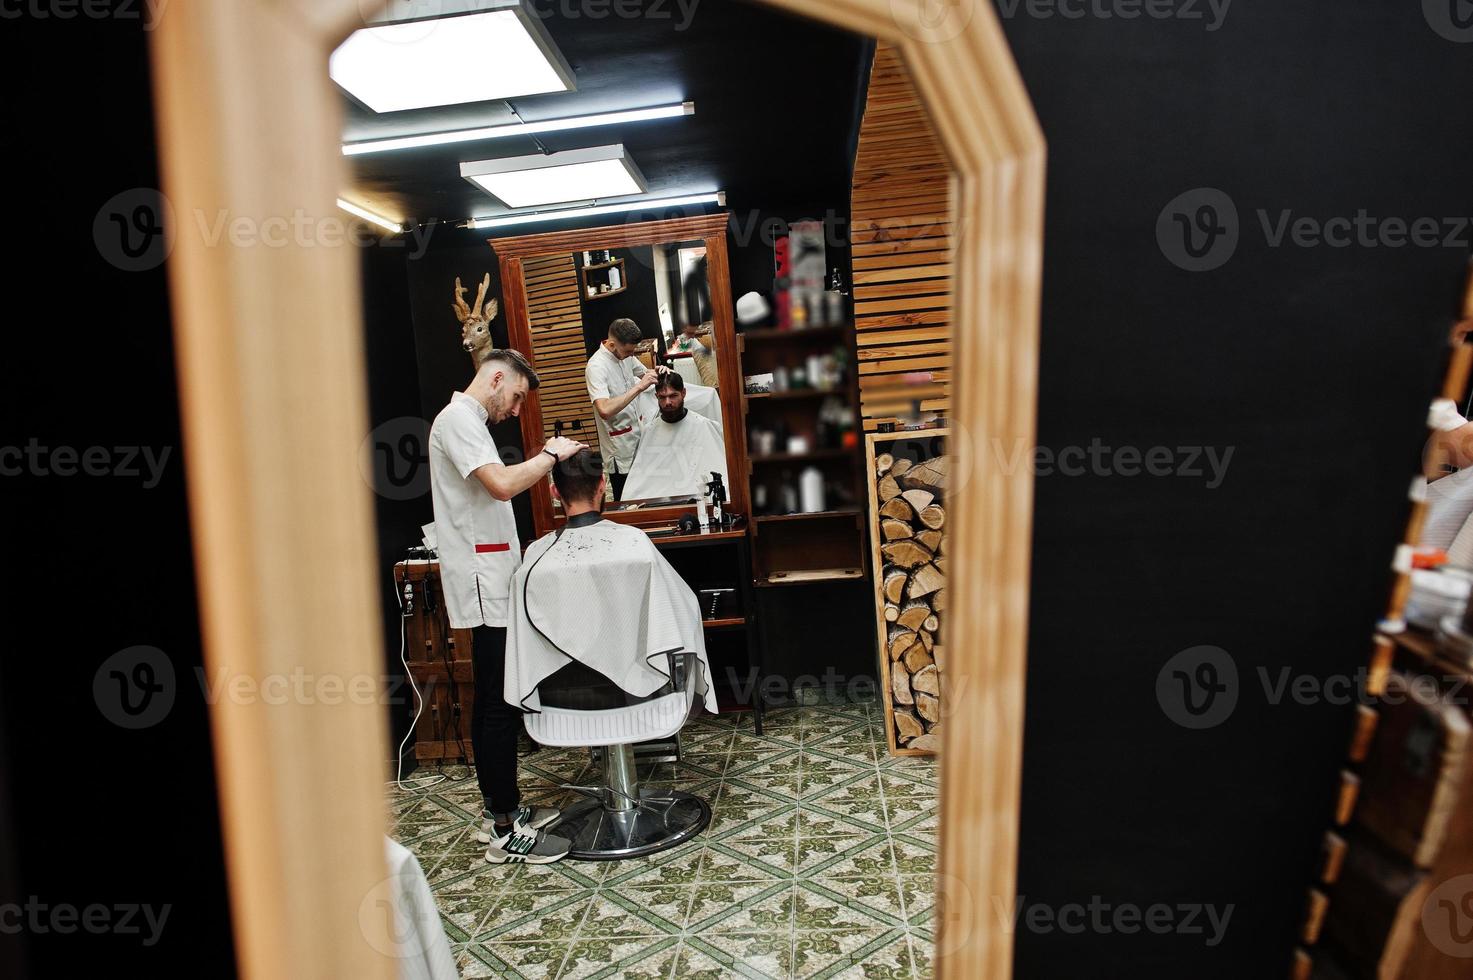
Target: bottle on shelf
(811,492)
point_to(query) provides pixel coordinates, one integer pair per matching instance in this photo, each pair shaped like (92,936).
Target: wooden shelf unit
(828,545)
(584,284)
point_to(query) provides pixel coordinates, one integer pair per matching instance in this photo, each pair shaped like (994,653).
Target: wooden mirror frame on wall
(269,347)
(710,229)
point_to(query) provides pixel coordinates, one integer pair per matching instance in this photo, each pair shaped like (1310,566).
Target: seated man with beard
(678,450)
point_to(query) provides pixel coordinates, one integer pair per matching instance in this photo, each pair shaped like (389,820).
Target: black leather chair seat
(578,687)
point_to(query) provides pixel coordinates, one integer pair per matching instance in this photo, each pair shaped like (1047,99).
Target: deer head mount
(475,320)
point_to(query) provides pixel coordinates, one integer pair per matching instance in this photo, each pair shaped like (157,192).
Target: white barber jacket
(602,595)
(476,534)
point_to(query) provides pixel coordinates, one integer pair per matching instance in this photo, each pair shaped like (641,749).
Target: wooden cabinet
(439,662)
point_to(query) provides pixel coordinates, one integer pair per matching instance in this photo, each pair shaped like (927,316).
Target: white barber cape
(676,458)
(416,939)
(601,594)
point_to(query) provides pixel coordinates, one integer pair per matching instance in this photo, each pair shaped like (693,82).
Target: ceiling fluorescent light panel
(499,53)
(555,178)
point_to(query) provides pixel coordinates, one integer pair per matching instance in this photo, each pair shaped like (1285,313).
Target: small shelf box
(599,274)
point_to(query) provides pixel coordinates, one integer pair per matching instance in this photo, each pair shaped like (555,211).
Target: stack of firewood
(912,514)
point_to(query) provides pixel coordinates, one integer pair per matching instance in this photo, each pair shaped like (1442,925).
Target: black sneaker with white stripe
(522,846)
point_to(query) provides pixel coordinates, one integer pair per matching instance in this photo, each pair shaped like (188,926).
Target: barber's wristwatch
(555,459)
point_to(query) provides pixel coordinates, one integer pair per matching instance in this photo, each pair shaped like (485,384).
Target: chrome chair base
(661,819)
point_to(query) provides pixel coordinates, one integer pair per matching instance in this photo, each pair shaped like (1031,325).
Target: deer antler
(462,312)
(481,293)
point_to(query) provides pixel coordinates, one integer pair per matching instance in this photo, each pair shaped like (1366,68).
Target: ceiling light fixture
(519,129)
(557,178)
(503,221)
(370,217)
(470,51)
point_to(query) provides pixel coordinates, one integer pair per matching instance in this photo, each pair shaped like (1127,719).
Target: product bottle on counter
(789,494)
(812,490)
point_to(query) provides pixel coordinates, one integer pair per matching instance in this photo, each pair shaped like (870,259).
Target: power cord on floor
(434,779)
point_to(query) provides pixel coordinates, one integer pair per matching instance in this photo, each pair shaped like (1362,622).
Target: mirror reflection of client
(600,594)
(617,387)
(678,450)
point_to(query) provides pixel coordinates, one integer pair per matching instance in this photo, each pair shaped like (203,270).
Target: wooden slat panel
(902,247)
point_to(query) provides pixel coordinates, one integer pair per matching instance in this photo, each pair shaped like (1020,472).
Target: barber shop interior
(865,489)
(662,507)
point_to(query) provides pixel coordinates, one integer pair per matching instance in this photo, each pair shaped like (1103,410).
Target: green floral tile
(612,915)
(914,857)
(475,961)
(903,809)
(538,960)
(816,850)
(711,765)
(923,825)
(922,952)
(890,961)
(769,910)
(784,788)
(721,862)
(822,775)
(748,954)
(827,952)
(607,955)
(813,822)
(512,909)
(539,877)
(918,892)
(678,867)
(462,914)
(427,819)
(557,922)
(766,763)
(713,900)
(692,964)
(816,907)
(774,850)
(868,859)
(860,801)
(651,963)
(879,895)
(665,904)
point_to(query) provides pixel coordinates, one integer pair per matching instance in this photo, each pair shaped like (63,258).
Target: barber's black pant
(616,480)
(495,724)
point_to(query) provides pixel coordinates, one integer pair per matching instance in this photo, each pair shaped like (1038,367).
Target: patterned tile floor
(818,863)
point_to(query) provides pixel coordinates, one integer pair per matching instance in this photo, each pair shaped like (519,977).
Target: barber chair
(621,818)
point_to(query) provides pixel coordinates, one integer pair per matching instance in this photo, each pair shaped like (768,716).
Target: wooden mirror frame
(711,229)
(283,522)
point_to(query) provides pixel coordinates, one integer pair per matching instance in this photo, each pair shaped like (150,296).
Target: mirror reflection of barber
(619,388)
(680,450)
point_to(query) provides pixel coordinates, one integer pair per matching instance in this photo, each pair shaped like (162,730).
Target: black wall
(640,302)
(1314,364)
(99,814)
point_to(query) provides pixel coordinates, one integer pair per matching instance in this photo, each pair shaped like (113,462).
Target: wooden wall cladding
(902,251)
(559,354)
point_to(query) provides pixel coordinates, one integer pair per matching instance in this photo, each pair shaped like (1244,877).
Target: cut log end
(892,530)
(883,462)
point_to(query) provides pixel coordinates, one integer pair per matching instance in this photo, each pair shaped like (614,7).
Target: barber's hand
(649,378)
(563,448)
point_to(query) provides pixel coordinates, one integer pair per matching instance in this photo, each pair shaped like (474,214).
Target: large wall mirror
(666,285)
